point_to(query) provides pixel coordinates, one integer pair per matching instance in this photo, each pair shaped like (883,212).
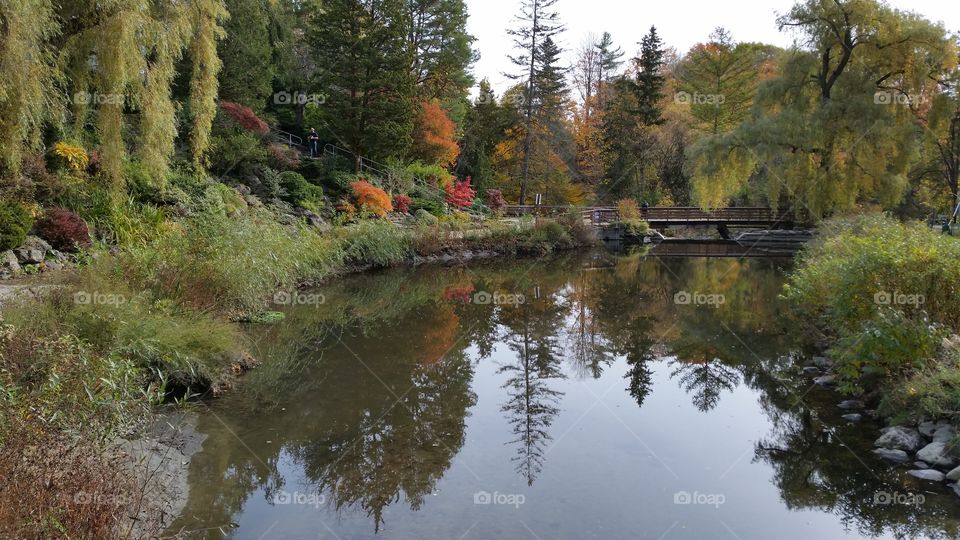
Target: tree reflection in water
(369,393)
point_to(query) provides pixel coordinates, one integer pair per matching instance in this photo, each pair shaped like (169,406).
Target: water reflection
(366,400)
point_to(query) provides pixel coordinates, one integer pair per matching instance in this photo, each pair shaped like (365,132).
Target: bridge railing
(600,215)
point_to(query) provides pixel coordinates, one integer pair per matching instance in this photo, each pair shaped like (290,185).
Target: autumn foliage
(459,194)
(245,117)
(401,203)
(495,201)
(63,229)
(435,137)
(372,198)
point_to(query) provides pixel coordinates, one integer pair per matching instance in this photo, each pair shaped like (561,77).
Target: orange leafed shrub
(435,135)
(374,199)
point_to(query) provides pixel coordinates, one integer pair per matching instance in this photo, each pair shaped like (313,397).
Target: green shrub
(424,218)
(884,291)
(930,392)
(300,192)
(15,223)
(635,226)
(858,264)
(429,205)
(549,235)
(237,154)
(886,347)
(375,242)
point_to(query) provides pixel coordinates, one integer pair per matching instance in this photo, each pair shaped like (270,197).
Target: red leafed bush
(245,117)
(372,198)
(63,229)
(401,203)
(460,195)
(495,201)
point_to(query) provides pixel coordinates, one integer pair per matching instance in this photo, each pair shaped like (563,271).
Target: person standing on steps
(313,140)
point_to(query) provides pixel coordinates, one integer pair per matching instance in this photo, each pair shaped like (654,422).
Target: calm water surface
(628,396)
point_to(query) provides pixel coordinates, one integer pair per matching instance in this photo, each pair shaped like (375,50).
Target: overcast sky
(680,24)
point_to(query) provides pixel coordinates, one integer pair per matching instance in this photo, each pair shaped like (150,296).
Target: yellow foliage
(76,157)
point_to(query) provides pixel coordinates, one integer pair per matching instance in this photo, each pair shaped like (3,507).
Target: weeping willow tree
(208,17)
(27,76)
(833,128)
(116,66)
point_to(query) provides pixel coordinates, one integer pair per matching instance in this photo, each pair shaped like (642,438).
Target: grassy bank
(151,314)
(882,295)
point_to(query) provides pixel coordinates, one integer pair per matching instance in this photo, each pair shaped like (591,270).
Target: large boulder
(927,474)
(954,475)
(896,456)
(33,251)
(944,434)
(900,438)
(927,429)
(9,265)
(937,454)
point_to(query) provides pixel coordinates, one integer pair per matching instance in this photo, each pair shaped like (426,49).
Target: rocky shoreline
(926,450)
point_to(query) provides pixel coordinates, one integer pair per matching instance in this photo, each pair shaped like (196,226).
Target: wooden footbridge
(671,216)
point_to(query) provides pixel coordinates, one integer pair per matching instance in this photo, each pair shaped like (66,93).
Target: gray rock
(854,417)
(926,429)
(921,465)
(29,255)
(811,371)
(58,256)
(954,475)
(936,454)
(900,438)
(927,474)
(944,434)
(53,265)
(896,456)
(826,380)
(851,404)
(9,265)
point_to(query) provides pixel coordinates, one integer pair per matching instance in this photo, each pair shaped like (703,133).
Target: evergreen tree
(247,54)
(486,124)
(441,48)
(537,23)
(609,60)
(362,46)
(650,81)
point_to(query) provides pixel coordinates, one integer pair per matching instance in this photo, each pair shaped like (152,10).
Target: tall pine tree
(538,22)
(362,46)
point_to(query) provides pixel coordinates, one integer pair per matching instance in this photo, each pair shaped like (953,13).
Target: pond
(583,396)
